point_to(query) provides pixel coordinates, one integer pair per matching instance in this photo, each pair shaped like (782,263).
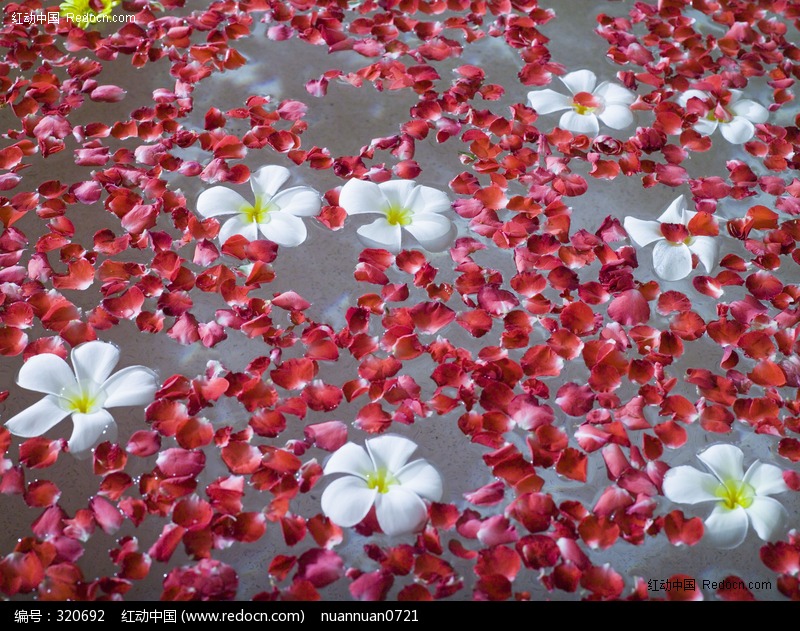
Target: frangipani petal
(642,232)
(766,479)
(421,478)
(613,93)
(616,116)
(38,418)
(752,111)
(268,179)
(687,485)
(94,360)
(390,452)
(684,97)
(46,373)
(727,528)
(299,201)
(425,200)
(674,213)
(238,225)
(548,101)
(580,81)
(724,461)
(767,516)
(400,511)
(286,230)
(220,200)
(579,123)
(347,500)
(360,197)
(88,428)
(381,234)
(434,232)
(350,458)
(397,192)
(672,262)
(738,131)
(134,385)
(706,250)
(705,126)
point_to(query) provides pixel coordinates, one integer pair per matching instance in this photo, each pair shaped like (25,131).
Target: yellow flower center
(85,397)
(259,212)
(381,480)
(398,216)
(735,493)
(583,110)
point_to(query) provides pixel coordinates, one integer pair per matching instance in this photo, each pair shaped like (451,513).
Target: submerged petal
(390,452)
(642,232)
(347,501)
(381,234)
(580,81)
(579,123)
(300,201)
(767,516)
(400,511)
(88,428)
(360,197)
(766,479)
(94,360)
(421,478)
(672,262)
(283,229)
(687,485)
(548,101)
(135,385)
(724,461)
(46,373)
(268,179)
(37,419)
(350,458)
(727,528)
(434,232)
(220,200)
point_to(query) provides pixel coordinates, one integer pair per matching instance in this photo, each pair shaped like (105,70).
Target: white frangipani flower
(276,215)
(675,243)
(741,498)
(608,102)
(404,206)
(736,119)
(84,391)
(381,476)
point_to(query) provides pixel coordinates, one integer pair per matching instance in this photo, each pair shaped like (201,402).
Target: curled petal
(434,232)
(421,478)
(424,200)
(300,201)
(766,479)
(548,101)
(135,385)
(579,123)
(359,197)
(671,262)
(687,485)
(674,213)
(286,230)
(238,225)
(642,232)
(94,360)
(220,200)
(390,452)
(88,428)
(350,458)
(347,501)
(37,419)
(613,93)
(727,528)
(767,516)
(706,250)
(46,373)
(738,131)
(724,461)
(381,234)
(580,81)
(267,180)
(617,116)
(400,511)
